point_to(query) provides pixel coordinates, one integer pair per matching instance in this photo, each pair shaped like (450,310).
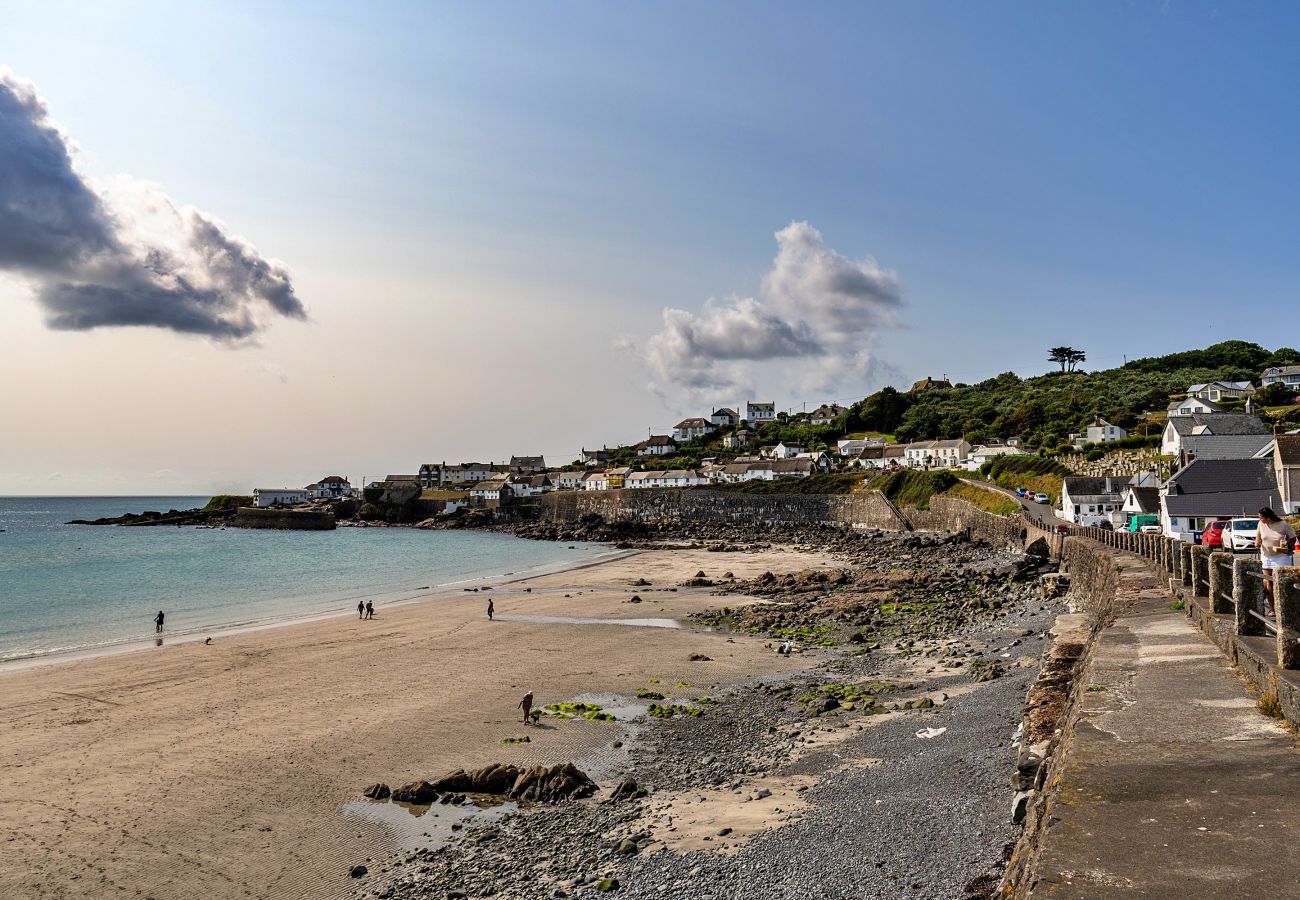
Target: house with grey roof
(1209,489)
(1086,500)
(1288,375)
(725,417)
(1179,428)
(1219,391)
(1285,457)
(1189,405)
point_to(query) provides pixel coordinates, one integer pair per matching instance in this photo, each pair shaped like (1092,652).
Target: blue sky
(477,200)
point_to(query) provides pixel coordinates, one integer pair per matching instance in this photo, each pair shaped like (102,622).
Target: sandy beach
(220,770)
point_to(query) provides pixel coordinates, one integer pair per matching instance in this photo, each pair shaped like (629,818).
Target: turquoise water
(77,587)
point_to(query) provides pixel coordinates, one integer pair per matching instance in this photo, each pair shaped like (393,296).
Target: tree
(1068,357)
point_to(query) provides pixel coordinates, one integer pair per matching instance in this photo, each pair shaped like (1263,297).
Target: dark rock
(628,789)
(358,871)
(376,791)
(700,657)
(419,792)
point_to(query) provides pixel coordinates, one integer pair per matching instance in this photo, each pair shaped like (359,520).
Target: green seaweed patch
(681,685)
(518,740)
(704,701)
(579,710)
(644,694)
(653,681)
(667,711)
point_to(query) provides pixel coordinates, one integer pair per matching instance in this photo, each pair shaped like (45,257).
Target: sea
(71,589)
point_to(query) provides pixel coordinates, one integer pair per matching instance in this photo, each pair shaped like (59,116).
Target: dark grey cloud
(103,258)
(814,323)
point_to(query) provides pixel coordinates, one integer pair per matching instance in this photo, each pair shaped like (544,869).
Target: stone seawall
(870,510)
(289,519)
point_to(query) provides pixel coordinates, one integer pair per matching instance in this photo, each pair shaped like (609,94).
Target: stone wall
(871,510)
(295,519)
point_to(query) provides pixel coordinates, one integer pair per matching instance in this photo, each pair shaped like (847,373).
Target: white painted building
(264,497)
(758,412)
(670,478)
(690,429)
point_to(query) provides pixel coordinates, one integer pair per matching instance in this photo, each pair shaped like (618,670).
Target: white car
(1149,529)
(1240,534)
(1042,498)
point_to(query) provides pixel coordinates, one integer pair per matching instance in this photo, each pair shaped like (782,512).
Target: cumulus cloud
(813,325)
(122,253)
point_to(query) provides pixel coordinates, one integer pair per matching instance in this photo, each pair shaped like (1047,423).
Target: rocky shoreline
(880,769)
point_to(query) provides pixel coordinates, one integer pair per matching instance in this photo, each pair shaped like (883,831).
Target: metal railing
(1233,585)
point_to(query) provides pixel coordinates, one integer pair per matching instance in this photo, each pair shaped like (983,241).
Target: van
(1135,524)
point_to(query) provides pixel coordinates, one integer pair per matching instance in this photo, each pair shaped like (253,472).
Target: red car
(1212,536)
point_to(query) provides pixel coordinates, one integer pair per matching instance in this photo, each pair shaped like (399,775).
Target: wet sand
(220,770)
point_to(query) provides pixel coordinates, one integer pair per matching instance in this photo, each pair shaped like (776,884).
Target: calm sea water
(71,587)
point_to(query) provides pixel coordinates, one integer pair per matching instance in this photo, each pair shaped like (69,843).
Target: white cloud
(814,325)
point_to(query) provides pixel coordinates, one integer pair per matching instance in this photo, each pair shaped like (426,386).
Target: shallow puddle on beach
(579,620)
(415,826)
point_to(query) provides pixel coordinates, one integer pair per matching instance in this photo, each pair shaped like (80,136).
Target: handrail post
(1200,571)
(1221,587)
(1247,596)
(1187,570)
(1286,600)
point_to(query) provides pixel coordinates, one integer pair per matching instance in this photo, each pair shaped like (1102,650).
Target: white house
(656,445)
(671,478)
(879,456)
(1087,500)
(1183,431)
(1218,391)
(1288,375)
(985,452)
(1099,432)
(793,468)
(725,417)
(491,491)
(280,496)
(1209,489)
(936,454)
(529,485)
(1191,405)
(433,475)
(820,459)
(785,451)
(826,413)
(741,437)
(595,481)
(759,412)
(567,481)
(333,487)
(690,429)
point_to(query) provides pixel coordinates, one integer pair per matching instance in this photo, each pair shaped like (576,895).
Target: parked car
(1106,525)
(1042,498)
(1240,534)
(1020,492)
(1149,529)
(1212,536)
(1136,523)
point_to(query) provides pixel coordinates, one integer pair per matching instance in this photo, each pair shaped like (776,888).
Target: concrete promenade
(1173,784)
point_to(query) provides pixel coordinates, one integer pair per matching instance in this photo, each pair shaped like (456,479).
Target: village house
(1285,456)
(853,446)
(1219,391)
(986,452)
(725,417)
(491,493)
(741,437)
(1209,489)
(948,454)
(1099,432)
(826,414)
(595,481)
(333,487)
(929,384)
(784,451)
(820,459)
(527,465)
(656,445)
(264,497)
(596,457)
(690,429)
(567,481)
(1181,432)
(1191,405)
(618,477)
(670,478)
(879,456)
(1287,375)
(434,475)
(1139,500)
(524,486)
(1090,500)
(758,412)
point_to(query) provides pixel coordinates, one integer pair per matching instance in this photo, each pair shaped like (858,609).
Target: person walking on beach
(491,609)
(370,609)
(158,622)
(361,609)
(1276,542)
(526,705)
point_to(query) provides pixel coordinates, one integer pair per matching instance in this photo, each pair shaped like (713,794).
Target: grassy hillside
(1047,408)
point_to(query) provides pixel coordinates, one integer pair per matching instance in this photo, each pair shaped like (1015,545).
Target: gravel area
(862,806)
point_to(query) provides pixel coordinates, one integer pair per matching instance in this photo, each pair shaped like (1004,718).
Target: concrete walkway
(1173,785)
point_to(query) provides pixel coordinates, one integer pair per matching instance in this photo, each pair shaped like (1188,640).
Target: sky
(248,245)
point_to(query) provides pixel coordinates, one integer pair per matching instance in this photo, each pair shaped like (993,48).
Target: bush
(226,502)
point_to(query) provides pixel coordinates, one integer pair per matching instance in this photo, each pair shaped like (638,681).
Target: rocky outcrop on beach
(196,516)
(536,784)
